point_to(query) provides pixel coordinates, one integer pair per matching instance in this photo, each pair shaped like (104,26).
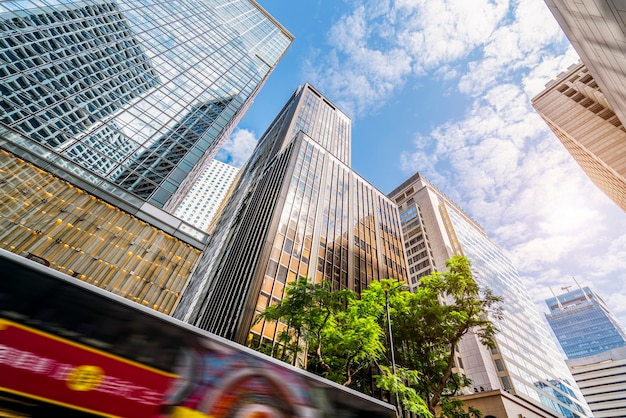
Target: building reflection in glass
(103,82)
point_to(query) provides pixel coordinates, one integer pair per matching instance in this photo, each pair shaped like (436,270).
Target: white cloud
(507,169)
(377,46)
(498,160)
(238,147)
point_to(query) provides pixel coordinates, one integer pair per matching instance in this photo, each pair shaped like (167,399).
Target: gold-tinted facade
(298,210)
(582,119)
(57,224)
(318,238)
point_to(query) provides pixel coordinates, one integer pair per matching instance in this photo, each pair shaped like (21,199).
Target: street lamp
(386,289)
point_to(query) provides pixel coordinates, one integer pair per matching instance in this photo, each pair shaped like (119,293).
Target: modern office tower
(108,113)
(150,74)
(600,378)
(583,324)
(595,346)
(298,210)
(525,362)
(201,204)
(597,32)
(583,119)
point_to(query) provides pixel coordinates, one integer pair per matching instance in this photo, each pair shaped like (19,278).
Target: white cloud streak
(499,161)
(238,147)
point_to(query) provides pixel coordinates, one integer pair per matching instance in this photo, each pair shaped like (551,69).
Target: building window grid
(125,44)
(510,333)
(293,258)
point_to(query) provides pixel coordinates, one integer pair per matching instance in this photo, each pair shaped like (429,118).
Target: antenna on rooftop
(566,288)
(581,289)
(558,302)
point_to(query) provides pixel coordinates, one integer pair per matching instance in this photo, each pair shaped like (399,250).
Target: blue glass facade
(583,324)
(532,362)
(103,86)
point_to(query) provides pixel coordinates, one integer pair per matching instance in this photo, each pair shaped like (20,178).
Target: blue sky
(444,88)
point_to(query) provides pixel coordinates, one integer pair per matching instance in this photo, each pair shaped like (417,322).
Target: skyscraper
(583,324)
(109,111)
(582,118)
(596,31)
(201,204)
(298,210)
(525,361)
(109,87)
(595,345)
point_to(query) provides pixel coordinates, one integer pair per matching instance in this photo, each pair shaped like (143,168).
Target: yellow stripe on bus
(67,405)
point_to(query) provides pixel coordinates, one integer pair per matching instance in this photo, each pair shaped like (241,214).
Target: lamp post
(393,355)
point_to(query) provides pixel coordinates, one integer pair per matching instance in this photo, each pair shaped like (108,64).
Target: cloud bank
(498,160)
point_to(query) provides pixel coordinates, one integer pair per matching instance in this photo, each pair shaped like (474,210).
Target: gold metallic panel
(52,222)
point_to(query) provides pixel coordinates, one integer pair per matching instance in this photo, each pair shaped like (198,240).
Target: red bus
(69,349)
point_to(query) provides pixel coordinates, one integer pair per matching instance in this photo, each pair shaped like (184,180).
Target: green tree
(341,334)
(330,327)
(429,324)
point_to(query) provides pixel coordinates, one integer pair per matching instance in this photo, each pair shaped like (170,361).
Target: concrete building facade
(525,361)
(597,31)
(602,380)
(582,118)
(205,197)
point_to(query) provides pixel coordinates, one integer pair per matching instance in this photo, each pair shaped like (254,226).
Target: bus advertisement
(70,349)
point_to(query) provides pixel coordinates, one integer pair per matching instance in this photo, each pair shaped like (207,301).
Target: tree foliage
(429,324)
(340,334)
(333,329)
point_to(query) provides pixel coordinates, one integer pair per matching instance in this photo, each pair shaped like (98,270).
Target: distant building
(582,118)
(298,210)
(109,111)
(602,380)
(201,203)
(583,324)
(595,345)
(525,362)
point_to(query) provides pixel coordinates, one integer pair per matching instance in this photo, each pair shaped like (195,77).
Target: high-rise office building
(595,346)
(109,111)
(150,74)
(525,361)
(582,118)
(298,210)
(600,378)
(583,324)
(597,32)
(201,204)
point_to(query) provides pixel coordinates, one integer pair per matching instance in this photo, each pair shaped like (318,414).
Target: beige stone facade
(597,31)
(579,114)
(500,404)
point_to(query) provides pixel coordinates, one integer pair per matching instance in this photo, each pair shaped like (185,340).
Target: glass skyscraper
(135,96)
(298,210)
(109,111)
(202,203)
(583,324)
(525,362)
